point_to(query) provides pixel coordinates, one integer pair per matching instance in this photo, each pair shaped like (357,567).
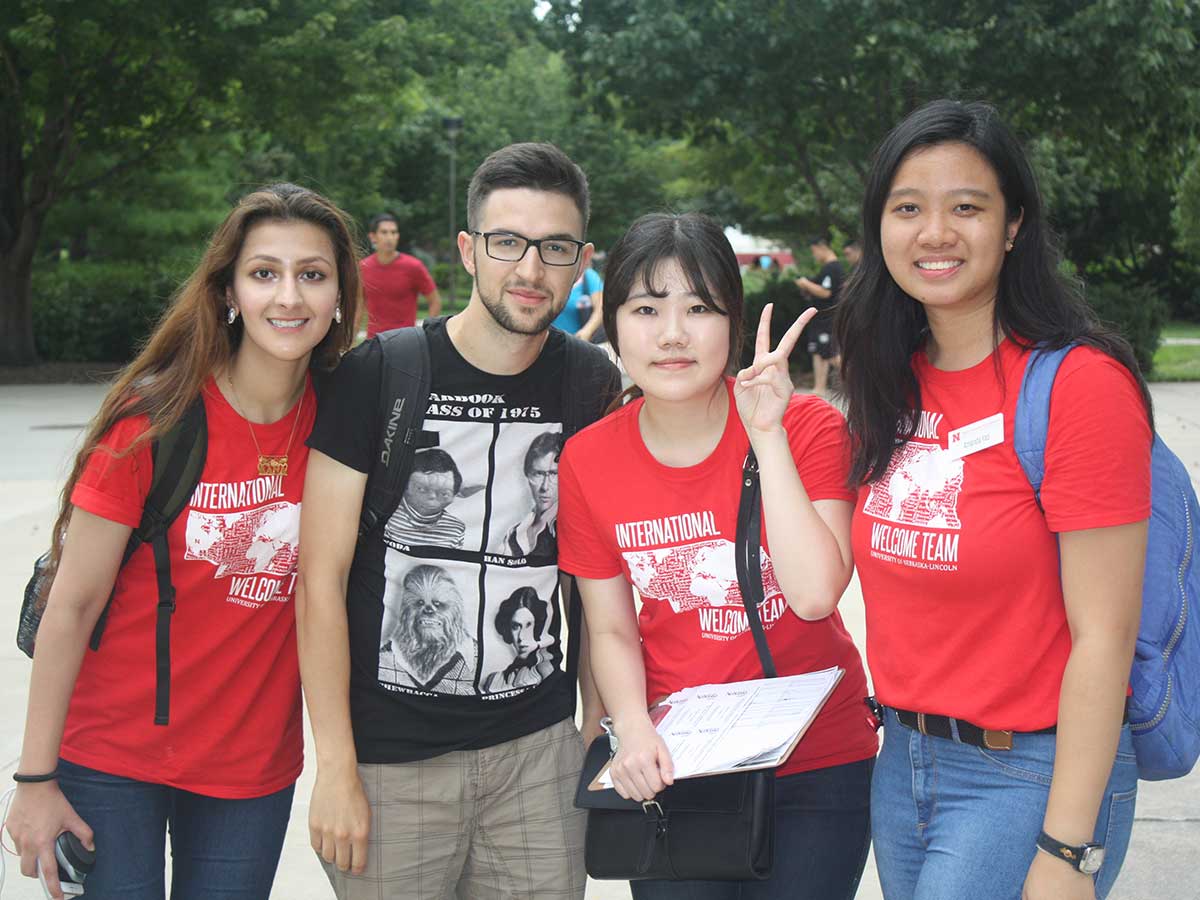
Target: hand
(642,766)
(1053,879)
(803,283)
(339,819)
(39,814)
(763,390)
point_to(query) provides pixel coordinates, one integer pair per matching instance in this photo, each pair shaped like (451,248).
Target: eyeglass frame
(530,242)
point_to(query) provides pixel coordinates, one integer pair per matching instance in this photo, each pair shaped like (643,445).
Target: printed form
(716,728)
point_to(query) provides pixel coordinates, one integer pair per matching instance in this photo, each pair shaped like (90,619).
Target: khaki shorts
(485,824)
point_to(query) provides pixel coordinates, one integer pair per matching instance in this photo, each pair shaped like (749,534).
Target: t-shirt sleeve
(347,421)
(581,549)
(1098,446)
(820,445)
(114,484)
(592,282)
(424,281)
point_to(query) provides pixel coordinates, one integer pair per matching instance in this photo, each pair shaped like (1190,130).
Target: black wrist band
(34,779)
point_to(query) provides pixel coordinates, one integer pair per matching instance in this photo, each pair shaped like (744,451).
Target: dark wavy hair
(521,598)
(879,326)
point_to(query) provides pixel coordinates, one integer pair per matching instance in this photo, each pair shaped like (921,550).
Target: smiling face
(674,347)
(285,286)
(944,228)
(524,296)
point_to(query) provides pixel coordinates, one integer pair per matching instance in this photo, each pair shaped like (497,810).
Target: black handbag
(712,828)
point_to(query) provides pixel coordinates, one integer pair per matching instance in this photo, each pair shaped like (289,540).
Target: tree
(93,90)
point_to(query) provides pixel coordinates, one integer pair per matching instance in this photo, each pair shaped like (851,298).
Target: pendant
(272,465)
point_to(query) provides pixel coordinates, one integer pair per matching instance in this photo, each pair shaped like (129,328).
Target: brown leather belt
(968,733)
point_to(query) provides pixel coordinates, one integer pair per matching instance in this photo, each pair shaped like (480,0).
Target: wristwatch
(1087,858)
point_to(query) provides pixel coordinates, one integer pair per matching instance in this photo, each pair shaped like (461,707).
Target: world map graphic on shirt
(693,576)
(921,487)
(258,541)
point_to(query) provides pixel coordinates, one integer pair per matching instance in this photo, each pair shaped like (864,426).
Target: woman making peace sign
(648,499)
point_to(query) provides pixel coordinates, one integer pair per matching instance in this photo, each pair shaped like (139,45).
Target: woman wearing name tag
(1003,671)
(107,755)
(649,499)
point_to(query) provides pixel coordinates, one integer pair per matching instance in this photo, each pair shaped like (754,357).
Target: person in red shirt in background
(275,297)
(648,498)
(999,633)
(392,281)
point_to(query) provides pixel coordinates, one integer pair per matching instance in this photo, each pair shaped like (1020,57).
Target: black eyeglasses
(508,247)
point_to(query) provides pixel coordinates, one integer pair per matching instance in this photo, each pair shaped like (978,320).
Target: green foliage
(789,300)
(1137,311)
(88,311)
(1177,362)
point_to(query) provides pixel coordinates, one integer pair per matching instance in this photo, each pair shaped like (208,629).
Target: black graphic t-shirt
(456,628)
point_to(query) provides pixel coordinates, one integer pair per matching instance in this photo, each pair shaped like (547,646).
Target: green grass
(1182,330)
(1178,362)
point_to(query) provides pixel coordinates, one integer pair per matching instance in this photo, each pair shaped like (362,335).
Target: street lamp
(453,125)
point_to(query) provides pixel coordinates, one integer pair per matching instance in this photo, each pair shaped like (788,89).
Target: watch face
(1093,859)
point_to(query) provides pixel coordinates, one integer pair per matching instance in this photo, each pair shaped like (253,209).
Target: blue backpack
(1164,711)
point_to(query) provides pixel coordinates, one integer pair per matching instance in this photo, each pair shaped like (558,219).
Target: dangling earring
(231,316)
(337,314)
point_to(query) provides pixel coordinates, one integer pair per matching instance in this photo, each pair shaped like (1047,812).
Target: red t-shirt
(670,532)
(391,291)
(235,723)
(959,567)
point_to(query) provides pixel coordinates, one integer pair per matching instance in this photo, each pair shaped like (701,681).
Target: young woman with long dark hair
(275,296)
(999,633)
(673,310)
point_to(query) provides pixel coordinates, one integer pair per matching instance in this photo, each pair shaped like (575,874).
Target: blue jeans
(219,848)
(822,833)
(950,820)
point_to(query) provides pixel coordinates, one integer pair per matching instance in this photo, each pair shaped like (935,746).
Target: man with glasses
(423,792)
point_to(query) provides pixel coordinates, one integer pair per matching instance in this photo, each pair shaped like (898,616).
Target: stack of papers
(716,728)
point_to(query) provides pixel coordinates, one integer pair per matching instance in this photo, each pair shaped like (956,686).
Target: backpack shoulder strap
(590,382)
(178,457)
(405,380)
(1032,420)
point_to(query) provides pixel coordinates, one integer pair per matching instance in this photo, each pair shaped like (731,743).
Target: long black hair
(879,326)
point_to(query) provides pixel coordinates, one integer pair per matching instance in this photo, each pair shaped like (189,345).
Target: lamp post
(453,125)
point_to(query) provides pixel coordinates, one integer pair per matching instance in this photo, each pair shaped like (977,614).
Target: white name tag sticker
(975,437)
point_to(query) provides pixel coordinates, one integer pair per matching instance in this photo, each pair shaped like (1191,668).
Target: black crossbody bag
(713,828)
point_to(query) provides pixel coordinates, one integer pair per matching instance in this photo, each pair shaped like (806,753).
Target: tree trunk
(16,306)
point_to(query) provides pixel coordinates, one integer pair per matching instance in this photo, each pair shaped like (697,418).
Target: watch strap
(1071,854)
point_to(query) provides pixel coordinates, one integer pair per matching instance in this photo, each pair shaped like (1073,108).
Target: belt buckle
(997,740)
(921,723)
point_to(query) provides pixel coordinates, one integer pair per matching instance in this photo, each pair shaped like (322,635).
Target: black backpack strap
(179,456)
(405,380)
(590,383)
(178,459)
(747,558)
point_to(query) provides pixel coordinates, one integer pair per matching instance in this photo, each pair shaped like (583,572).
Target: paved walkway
(41,424)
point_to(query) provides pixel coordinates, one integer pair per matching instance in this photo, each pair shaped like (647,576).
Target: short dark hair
(703,252)
(540,166)
(853,242)
(817,239)
(380,218)
(521,598)
(545,444)
(434,461)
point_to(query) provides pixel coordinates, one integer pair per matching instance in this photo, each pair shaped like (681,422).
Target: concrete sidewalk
(40,426)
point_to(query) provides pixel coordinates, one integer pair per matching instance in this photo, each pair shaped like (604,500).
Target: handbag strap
(748,560)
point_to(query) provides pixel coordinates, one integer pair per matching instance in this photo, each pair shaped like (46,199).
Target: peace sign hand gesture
(762,390)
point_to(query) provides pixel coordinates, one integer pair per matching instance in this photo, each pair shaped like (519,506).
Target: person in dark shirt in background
(823,293)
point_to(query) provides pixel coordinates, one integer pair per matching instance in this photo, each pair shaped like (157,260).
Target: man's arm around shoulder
(339,816)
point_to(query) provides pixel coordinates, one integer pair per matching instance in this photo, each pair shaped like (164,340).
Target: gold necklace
(268,465)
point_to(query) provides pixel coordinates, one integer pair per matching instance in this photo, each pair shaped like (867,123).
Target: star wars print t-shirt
(456,627)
